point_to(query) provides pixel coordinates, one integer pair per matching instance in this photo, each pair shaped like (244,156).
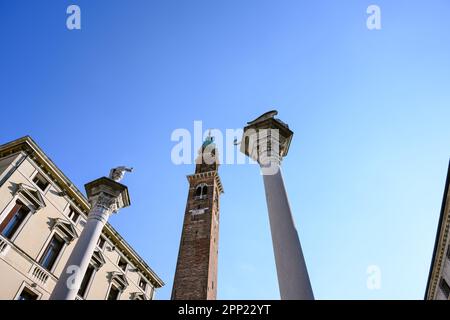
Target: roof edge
(27,144)
(439,227)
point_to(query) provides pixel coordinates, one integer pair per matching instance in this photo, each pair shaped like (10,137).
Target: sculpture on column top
(118,173)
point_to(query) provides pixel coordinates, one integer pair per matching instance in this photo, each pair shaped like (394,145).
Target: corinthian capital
(105,202)
(107,195)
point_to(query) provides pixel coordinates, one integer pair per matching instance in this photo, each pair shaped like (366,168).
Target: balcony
(39,274)
(25,265)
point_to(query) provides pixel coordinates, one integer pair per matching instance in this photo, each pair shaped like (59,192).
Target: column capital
(267,140)
(103,202)
(107,194)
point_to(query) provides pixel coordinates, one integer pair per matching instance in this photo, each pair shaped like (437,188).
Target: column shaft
(292,273)
(80,257)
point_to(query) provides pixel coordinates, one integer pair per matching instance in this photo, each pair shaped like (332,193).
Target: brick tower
(196,271)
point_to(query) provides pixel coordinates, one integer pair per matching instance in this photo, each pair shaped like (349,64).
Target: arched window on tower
(201,191)
(198,191)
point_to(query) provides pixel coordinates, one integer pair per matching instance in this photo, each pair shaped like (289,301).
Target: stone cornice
(134,257)
(33,151)
(439,252)
(202,175)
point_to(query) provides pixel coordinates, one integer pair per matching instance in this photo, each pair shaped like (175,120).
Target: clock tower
(196,270)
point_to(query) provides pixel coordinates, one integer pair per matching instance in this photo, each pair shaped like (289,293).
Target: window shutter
(10,215)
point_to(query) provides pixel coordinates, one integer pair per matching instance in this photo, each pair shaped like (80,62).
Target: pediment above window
(97,260)
(139,296)
(65,228)
(31,194)
(119,279)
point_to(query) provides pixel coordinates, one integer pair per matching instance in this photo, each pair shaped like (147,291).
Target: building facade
(438,285)
(42,214)
(196,270)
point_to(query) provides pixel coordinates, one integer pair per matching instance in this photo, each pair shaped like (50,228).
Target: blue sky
(370,109)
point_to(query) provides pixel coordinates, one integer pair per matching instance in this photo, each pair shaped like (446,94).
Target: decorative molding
(119,279)
(39,274)
(441,243)
(3,246)
(98,259)
(31,150)
(138,296)
(66,228)
(31,194)
(201,175)
(106,202)
(268,115)
(439,259)
(264,127)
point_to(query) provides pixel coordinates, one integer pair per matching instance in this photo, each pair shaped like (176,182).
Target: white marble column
(293,279)
(266,140)
(106,196)
(70,280)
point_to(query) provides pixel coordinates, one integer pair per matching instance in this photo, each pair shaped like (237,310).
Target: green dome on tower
(209,140)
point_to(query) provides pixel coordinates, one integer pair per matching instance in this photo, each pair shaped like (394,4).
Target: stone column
(106,196)
(266,140)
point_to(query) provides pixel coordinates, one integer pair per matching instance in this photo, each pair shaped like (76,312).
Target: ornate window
(66,230)
(138,296)
(41,182)
(30,195)
(97,261)
(63,232)
(27,294)
(123,264)
(73,215)
(201,191)
(114,293)
(119,279)
(87,279)
(13,220)
(27,201)
(143,284)
(101,243)
(445,288)
(52,252)
(118,285)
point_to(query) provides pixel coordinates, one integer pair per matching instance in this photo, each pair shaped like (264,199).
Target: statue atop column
(106,196)
(267,140)
(118,173)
